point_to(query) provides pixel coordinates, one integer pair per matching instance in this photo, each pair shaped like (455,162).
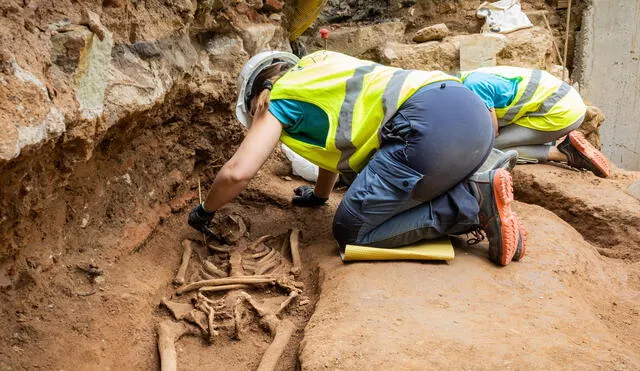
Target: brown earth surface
(601,209)
(110,191)
(563,304)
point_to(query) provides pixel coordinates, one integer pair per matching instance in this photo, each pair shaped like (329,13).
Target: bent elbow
(233,174)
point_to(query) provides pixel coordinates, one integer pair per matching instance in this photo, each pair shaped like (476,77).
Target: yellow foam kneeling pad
(428,250)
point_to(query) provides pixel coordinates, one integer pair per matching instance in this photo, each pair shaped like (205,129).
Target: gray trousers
(532,145)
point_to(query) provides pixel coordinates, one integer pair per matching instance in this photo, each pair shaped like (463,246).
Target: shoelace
(477,236)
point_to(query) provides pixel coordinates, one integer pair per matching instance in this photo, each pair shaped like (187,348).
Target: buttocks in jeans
(412,187)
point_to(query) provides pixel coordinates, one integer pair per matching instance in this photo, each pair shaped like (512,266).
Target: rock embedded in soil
(435,32)
(529,48)
(431,55)
(479,50)
(590,127)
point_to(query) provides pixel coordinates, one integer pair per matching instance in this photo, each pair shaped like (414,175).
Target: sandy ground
(564,304)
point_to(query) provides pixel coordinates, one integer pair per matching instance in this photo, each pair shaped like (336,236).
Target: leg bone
(273,353)
(186,255)
(294,240)
(168,333)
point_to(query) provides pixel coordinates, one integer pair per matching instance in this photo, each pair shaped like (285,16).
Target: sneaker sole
(521,249)
(503,193)
(590,152)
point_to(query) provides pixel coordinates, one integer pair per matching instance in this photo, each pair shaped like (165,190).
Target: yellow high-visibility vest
(358,96)
(542,102)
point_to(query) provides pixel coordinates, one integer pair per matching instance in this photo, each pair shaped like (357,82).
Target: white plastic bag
(300,165)
(503,16)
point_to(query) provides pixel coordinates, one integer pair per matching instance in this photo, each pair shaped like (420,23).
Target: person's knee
(346,226)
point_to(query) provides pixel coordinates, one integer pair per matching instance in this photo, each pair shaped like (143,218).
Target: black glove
(200,220)
(306,197)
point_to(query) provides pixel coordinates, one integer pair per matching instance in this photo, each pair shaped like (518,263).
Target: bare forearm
(494,119)
(324,184)
(225,188)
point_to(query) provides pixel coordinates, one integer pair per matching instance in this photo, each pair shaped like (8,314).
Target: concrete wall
(608,70)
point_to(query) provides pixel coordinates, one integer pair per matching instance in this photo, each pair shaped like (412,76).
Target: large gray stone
(226,51)
(479,50)
(431,55)
(530,48)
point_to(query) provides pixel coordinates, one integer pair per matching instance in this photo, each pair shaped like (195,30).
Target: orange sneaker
(494,192)
(582,155)
(521,249)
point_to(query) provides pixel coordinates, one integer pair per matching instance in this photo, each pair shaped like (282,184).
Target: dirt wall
(110,106)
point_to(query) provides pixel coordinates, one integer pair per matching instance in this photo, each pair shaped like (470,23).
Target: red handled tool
(324,33)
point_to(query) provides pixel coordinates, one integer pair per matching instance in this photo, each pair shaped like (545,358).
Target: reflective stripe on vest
(548,104)
(516,106)
(343,133)
(538,94)
(357,96)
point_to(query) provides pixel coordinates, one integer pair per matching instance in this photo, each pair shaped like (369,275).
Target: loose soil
(115,201)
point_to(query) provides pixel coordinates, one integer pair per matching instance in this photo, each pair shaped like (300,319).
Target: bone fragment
(179,310)
(273,353)
(235,264)
(186,255)
(257,242)
(294,240)
(266,258)
(212,269)
(223,249)
(203,276)
(198,318)
(269,320)
(168,333)
(292,295)
(204,306)
(215,303)
(262,269)
(259,254)
(249,280)
(237,319)
(223,288)
(289,284)
(257,306)
(285,244)
(231,229)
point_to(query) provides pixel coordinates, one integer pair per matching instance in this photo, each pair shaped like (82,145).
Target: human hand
(201,220)
(306,197)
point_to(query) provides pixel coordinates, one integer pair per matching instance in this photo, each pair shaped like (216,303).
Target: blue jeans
(413,188)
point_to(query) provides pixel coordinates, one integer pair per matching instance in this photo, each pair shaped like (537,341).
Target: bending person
(403,136)
(531,108)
